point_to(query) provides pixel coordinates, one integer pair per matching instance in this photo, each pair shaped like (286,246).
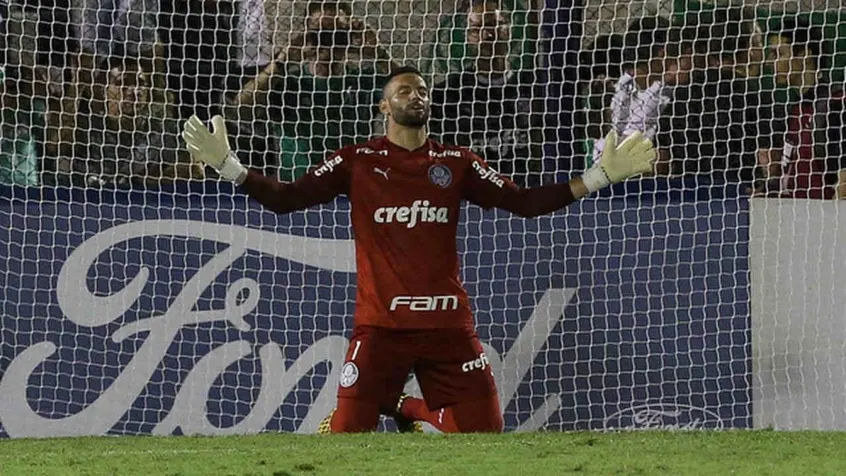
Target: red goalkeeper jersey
(405,211)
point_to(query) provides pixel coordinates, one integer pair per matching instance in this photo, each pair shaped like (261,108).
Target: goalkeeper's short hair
(400,70)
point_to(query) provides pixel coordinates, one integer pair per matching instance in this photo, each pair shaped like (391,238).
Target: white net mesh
(141,294)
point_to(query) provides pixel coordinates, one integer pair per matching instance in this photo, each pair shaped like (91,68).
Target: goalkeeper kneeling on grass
(412,312)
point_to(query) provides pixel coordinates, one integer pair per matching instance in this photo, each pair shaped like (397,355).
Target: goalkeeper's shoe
(325,426)
(405,425)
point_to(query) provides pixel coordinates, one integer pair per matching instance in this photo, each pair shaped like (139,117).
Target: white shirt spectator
(254,37)
(117,27)
(128,27)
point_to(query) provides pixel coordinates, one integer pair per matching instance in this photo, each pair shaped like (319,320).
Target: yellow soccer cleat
(325,426)
(405,425)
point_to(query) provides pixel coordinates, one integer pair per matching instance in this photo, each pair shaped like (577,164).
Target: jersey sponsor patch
(445,153)
(425,303)
(418,212)
(328,166)
(440,175)
(488,174)
(369,151)
(481,363)
(349,375)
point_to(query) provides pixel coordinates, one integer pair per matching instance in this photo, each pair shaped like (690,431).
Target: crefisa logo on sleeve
(663,416)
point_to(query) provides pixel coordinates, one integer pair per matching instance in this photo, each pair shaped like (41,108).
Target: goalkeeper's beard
(410,118)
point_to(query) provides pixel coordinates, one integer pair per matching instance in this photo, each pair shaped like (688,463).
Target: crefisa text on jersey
(488,174)
(445,153)
(419,212)
(328,165)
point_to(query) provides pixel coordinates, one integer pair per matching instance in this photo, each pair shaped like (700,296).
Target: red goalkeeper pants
(480,416)
(451,367)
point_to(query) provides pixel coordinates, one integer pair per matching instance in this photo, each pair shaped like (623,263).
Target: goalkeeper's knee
(352,416)
(479,416)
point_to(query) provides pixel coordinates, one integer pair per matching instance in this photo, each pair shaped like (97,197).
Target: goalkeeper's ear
(383,106)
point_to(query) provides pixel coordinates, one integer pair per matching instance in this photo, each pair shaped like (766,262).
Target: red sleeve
(487,188)
(320,185)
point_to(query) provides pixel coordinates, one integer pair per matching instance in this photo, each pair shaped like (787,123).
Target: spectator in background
(812,162)
(322,90)
(655,59)
(497,112)
(713,125)
(36,48)
(120,133)
(115,28)
(22,109)
(255,42)
(111,29)
(201,48)
(54,41)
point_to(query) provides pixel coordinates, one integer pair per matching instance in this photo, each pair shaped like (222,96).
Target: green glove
(212,148)
(634,156)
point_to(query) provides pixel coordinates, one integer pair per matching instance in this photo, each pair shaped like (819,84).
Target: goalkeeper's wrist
(595,179)
(232,169)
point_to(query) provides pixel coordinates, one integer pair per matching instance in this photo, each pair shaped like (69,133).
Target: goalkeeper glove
(212,148)
(634,156)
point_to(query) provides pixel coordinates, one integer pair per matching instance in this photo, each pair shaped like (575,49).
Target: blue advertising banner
(190,313)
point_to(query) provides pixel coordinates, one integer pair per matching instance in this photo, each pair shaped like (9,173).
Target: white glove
(213,149)
(646,109)
(634,156)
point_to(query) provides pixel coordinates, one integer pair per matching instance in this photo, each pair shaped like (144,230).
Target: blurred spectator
(811,162)
(255,43)
(201,48)
(52,41)
(22,110)
(115,28)
(713,125)
(119,133)
(322,90)
(655,59)
(497,112)
(28,71)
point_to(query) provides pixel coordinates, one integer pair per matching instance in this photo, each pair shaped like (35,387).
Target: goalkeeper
(412,312)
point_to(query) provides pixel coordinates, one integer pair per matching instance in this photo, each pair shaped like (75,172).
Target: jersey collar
(426,146)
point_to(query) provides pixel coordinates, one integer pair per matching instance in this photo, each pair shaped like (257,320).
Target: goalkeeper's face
(406,100)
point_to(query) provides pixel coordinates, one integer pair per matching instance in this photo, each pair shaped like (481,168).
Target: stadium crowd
(95,96)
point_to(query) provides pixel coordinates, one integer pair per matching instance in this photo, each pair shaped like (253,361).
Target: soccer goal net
(142,294)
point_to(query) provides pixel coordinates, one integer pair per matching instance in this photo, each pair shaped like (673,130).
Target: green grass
(636,453)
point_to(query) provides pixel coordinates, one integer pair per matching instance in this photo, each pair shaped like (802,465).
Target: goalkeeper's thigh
(354,416)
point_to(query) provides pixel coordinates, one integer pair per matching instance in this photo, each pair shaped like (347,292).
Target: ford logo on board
(663,416)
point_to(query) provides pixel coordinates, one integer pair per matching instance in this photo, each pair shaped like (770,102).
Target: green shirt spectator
(320,114)
(21,123)
(319,94)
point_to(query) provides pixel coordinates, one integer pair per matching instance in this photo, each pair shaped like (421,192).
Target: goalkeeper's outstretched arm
(212,149)
(634,156)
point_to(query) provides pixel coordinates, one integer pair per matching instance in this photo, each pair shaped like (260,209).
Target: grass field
(637,453)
